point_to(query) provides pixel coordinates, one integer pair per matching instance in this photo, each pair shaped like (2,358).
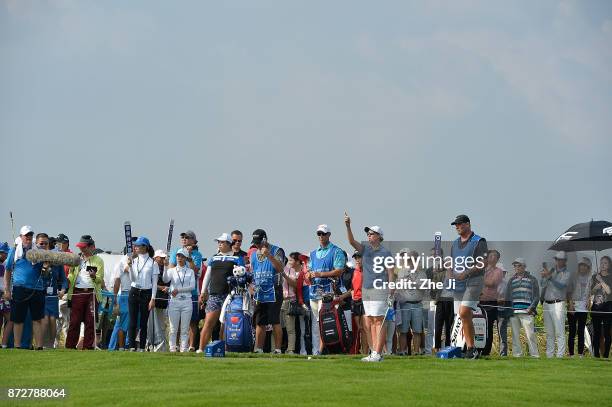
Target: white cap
(183,252)
(375,229)
(25,230)
(519,260)
(404,250)
(323,228)
(160,253)
(224,238)
(561,255)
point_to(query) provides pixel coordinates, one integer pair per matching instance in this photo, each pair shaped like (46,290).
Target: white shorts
(375,308)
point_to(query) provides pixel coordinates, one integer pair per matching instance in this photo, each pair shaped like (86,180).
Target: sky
(284,114)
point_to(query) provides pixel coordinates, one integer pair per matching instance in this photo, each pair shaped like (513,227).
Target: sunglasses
(321,234)
(372,233)
(237,241)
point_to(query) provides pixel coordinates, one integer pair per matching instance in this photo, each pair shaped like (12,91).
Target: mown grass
(145,379)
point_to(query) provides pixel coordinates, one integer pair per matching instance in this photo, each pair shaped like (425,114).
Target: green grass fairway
(114,378)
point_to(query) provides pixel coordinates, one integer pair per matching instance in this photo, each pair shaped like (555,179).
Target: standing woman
(182,282)
(215,287)
(290,276)
(365,340)
(143,273)
(602,307)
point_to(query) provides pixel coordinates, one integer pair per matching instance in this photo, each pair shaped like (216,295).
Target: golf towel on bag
(238,327)
(333,328)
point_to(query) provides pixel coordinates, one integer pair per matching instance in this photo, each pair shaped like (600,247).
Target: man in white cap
(376,295)
(523,294)
(325,263)
(28,291)
(554,283)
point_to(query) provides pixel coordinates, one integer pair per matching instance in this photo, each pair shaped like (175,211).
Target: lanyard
(179,276)
(143,266)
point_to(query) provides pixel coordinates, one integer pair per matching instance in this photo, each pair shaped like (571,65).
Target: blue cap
(4,247)
(142,241)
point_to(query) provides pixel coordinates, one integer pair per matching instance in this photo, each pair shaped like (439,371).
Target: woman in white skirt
(182,282)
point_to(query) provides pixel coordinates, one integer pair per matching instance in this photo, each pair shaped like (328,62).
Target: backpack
(333,327)
(238,327)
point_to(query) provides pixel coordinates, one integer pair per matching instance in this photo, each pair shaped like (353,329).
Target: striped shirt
(523,292)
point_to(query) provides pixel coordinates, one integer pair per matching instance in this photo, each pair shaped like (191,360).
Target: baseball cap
(189,234)
(519,260)
(375,229)
(4,247)
(224,238)
(142,241)
(85,241)
(561,255)
(323,228)
(183,252)
(258,236)
(586,261)
(26,230)
(459,219)
(62,238)
(356,254)
(159,253)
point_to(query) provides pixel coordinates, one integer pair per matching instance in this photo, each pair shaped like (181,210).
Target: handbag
(295,309)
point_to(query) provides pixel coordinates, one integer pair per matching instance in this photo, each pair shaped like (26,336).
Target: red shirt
(357,278)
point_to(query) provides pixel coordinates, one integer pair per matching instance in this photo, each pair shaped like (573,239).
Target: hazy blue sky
(282,114)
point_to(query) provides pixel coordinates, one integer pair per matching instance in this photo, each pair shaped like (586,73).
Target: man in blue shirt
(267,263)
(27,293)
(325,263)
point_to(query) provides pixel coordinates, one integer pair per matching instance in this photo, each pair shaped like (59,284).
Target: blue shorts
(124,312)
(412,317)
(52,306)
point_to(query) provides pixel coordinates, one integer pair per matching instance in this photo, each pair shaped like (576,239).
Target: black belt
(553,301)
(413,302)
(141,289)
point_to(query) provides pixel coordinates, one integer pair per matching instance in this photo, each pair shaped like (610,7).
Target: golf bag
(333,327)
(238,326)
(480,330)
(238,314)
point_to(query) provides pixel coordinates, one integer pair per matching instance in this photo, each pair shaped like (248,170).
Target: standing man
(5,306)
(488,299)
(554,283)
(27,286)
(56,284)
(194,261)
(85,285)
(121,289)
(523,293)
(376,296)
(237,245)
(324,264)
(466,250)
(267,262)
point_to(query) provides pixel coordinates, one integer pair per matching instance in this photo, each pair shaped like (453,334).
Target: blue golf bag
(238,326)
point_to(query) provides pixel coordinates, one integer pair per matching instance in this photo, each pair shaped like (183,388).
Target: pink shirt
(492,279)
(288,291)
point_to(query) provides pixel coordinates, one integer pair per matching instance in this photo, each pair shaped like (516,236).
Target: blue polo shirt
(24,273)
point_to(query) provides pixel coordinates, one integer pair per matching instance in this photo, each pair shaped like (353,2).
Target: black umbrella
(594,235)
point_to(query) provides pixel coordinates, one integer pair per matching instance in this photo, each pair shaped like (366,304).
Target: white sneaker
(316,353)
(140,350)
(373,357)
(277,352)
(199,351)
(173,350)
(258,350)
